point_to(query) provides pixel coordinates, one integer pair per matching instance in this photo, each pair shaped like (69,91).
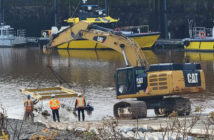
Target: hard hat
(52,95)
(28,96)
(79,94)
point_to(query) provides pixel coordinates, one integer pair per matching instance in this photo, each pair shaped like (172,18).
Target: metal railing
(21,33)
(201,32)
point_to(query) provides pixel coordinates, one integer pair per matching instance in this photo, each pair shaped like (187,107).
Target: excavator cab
(130,80)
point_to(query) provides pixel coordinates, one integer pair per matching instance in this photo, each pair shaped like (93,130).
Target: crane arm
(131,51)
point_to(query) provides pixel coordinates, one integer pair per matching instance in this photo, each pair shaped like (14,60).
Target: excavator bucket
(45,93)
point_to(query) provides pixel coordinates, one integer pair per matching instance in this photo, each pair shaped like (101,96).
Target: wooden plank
(58,96)
(33,95)
(44,89)
(49,93)
(68,90)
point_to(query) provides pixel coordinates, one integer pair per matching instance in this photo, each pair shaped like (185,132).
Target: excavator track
(130,110)
(180,105)
(160,111)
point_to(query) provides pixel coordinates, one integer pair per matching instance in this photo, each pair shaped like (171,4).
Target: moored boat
(145,39)
(8,38)
(201,39)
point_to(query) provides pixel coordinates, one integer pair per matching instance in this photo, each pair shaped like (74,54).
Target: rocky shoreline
(19,129)
(190,128)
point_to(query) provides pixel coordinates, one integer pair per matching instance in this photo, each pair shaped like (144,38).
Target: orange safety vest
(54,104)
(80,102)
(28,105)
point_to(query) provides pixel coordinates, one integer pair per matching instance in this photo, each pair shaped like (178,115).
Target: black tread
(180,105)
(138,109)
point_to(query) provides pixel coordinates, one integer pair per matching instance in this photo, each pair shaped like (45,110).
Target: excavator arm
(131,51)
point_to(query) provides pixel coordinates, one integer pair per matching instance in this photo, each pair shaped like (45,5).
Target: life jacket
(54,104)
(28,105)
(80,102)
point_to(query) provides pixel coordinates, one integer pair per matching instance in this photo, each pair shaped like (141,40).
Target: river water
(89,72)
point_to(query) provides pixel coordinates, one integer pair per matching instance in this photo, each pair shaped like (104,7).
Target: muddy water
(89,72)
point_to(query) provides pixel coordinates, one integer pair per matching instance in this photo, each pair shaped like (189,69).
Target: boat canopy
(107,19)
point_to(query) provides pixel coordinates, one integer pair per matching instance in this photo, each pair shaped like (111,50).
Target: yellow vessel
(145,40)
(199,44)
(92,14)
(201,39)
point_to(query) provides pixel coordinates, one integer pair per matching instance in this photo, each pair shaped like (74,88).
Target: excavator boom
(131,51)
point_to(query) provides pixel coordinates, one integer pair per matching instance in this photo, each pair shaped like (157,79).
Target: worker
(55,106)
(80,105)
(28,104)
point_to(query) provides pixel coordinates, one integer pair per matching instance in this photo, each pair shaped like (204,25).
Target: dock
(39,41)
(169,43)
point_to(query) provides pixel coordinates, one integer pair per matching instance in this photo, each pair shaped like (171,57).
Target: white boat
(8,37)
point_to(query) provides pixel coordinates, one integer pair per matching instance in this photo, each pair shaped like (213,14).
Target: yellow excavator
(154,86)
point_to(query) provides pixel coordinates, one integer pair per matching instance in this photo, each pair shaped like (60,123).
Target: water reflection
(103,55)
(199,56)
(97,67)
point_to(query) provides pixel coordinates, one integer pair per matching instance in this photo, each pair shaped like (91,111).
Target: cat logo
(192,77)
(100,39)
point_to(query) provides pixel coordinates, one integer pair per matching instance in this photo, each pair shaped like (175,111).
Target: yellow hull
(145,41)
(199,45)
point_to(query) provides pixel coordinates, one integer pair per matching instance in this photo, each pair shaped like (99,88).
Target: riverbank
(192,127)
(19,129)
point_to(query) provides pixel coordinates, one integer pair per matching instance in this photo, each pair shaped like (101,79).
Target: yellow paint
(146,41)
(107,19)
(78,44)
(163,83)
(143,41)
(197,45)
